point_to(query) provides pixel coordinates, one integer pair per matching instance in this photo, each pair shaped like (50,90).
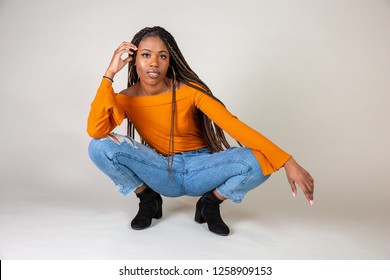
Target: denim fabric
(129,164)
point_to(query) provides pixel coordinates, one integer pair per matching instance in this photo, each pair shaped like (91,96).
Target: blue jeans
(129,164)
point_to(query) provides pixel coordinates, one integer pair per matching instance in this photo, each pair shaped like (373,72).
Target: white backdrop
(313,76)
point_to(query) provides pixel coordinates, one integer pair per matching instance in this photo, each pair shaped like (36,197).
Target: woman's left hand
(296,174)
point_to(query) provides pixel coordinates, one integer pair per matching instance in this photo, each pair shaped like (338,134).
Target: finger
(310,178)
(127,60)
(293,187)
(127,48)
(123,49)
(308,181)
(312,190)
(309,194)
(119,53)
(128,45)
(130,48)
(306,190)
(309,185)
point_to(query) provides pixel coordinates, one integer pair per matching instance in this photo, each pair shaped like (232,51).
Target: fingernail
(294,195)
(311,202)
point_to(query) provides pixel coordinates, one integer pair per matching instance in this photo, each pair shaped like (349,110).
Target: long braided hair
(178,70)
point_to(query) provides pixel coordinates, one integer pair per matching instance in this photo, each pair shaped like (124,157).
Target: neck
(148,89)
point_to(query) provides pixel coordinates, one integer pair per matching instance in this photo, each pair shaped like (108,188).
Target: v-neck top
(151,116)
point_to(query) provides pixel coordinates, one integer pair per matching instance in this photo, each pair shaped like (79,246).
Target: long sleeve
(105,113)
(270,157)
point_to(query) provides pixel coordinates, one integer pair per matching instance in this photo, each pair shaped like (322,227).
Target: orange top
(151,116)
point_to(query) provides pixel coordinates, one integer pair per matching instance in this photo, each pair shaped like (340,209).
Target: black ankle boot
(207,210)
(150,206)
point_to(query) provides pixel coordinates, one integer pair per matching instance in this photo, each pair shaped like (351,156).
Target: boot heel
(207,210)
(198,217)
(158,214)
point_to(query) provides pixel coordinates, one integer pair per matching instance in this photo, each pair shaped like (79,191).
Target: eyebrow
(151,51)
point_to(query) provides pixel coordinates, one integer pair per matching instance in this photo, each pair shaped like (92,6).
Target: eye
(145,55)
(163,56)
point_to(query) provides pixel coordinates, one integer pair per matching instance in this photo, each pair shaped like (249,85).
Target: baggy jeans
(130,164)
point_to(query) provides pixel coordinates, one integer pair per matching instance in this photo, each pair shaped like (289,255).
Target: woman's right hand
(117,63)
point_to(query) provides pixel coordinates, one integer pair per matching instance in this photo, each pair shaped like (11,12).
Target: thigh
(208,171)
(128,155)
(114,145)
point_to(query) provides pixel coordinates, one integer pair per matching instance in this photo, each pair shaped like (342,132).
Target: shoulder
(131,91)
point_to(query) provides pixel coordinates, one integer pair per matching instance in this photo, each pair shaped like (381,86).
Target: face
(152,60)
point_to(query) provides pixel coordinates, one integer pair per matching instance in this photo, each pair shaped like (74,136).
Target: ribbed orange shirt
(151,116)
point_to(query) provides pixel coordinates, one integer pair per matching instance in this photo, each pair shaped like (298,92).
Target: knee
(250,162)
(253,166)
(97,149)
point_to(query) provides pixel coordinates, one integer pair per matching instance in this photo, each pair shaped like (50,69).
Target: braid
(182,72)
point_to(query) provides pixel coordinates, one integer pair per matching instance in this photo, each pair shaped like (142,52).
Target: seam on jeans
(248,166)
(143,162)
(130,178)
(184,177)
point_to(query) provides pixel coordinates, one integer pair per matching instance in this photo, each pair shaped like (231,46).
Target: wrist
(108,78)
(109,74)
(289,162)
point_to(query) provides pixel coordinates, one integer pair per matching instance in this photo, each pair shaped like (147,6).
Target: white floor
(311,75)
(38,223)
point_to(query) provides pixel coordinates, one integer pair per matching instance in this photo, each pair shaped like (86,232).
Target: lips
(154,74)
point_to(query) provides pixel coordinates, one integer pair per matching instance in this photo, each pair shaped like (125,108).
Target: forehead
(153,44)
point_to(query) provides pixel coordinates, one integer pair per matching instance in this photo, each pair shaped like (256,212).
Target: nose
(154,61)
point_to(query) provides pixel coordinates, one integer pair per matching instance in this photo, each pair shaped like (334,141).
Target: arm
(105,114)
(270,157)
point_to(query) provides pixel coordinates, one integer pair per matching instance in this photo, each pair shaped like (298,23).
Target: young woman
(183,149)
